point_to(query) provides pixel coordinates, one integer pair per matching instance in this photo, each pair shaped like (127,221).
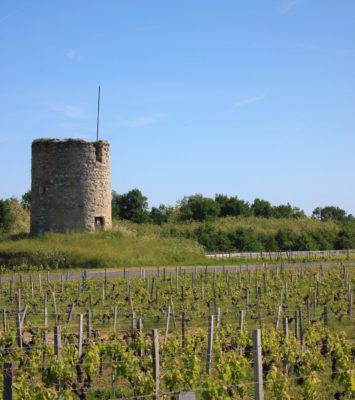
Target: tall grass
(106,249)
(134,245)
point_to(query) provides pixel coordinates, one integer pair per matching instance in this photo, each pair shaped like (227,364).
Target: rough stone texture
(71,185)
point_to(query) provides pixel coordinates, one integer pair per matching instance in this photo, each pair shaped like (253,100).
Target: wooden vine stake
(241,322)
(301,327)
(88,323)
(70,313)
(57,342)
(350,306)
(4,322)
(210,344)
(103,293)
(285,327)
(32,288)
(325,316)
(156,374)
(7,388)
(140,333)
(115,319)
(23,317)
(258,366)
(173,311)
(80,335)
(54,306)
(309,311)
(218,317)
(247,300)
(167,326)
(279,309)
(297,324)
(40,282)
(45,312)
(133,322)
(18,300)
(19,330)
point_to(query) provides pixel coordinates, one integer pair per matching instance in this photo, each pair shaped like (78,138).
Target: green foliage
(132,206)
(104,249)
(211,238)
(245,240)
(232,206)
(331,213)
(285,239)
(161,215)
(346,236)
(115,205)
(198,208)
(262,208)
(6,218)
(26,200)
(119,365)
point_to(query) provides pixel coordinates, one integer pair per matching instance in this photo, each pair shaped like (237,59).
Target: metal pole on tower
(98,116)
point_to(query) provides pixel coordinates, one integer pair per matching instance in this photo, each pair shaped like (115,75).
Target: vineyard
(170,331)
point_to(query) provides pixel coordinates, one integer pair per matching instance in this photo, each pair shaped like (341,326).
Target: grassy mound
(104,249)
(135,245)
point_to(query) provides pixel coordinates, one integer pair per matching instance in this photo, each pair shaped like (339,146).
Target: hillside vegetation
(179,235)
(104,249)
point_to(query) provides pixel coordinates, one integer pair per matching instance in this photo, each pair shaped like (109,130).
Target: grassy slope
(106,249)
(131,244)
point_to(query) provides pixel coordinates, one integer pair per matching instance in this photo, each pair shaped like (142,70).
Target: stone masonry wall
(71,185)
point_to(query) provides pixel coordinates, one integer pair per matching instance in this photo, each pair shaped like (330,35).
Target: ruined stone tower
(71,186)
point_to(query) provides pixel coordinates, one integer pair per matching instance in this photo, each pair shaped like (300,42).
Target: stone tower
(71,186)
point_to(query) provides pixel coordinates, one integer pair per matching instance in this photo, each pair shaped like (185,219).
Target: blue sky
(247,98)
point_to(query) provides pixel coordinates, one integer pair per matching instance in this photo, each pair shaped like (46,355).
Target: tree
(232,206)
(6,217)
(245,239)
(346,236)
(325,239)
(282,211)
(333,213)
(26,200)
(132,206)
(297,213)
(330,213)
(317,212)
(212,239)
(162,214)
(198,208)
(268,241)
(285,239)
(262,208)
(115,207)
(304,242)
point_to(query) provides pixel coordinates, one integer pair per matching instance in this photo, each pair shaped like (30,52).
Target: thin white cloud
(73,55)
(250,100)
(137,122)
(288,5)
(11,14)
(67,110)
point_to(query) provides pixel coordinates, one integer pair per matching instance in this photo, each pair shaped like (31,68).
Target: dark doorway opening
(99,223)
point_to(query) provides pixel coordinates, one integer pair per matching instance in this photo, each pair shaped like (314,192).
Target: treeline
(206,213)
(246,239)
(133,206)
